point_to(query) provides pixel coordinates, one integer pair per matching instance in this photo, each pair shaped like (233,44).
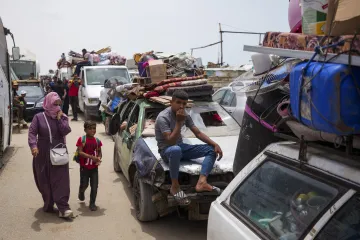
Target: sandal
(181,198)
(215,191)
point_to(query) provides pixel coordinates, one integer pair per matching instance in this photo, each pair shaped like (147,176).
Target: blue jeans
(79,66)
(174,154)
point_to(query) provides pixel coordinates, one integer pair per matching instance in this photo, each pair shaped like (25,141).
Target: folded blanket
(151,94)
(180,79)
(199,90)
(161,89)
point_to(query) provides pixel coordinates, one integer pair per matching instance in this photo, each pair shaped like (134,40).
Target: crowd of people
(67,91)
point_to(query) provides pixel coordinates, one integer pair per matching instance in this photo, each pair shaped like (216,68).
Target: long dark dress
(53,182)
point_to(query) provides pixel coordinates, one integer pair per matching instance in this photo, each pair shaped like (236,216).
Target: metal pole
(221,46)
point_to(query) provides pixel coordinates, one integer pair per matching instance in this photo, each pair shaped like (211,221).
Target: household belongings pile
(196,87)
(313,100)
(309,100)
(160,66)
(104,56)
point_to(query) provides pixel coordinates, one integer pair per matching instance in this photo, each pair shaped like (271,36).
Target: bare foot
(203,187)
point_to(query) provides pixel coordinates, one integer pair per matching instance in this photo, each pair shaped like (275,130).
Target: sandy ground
(21,215)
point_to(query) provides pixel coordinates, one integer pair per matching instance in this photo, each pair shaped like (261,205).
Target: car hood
(33,99)
(93,91)
(228,145)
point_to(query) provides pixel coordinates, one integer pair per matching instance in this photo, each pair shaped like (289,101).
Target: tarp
(146,163)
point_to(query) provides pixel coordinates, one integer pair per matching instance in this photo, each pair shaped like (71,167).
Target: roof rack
(28,81)
(304,144)
(330,57)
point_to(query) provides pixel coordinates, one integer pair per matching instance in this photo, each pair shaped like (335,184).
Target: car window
(126,111)
(31,91)
(132,120)
(228,98)
(280,201)
(218,96)
(345,224)
(234,101)
(121,107)
(212,120)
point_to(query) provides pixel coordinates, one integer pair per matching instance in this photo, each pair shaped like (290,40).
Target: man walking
(73,96)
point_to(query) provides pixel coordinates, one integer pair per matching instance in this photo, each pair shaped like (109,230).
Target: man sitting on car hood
(172,149)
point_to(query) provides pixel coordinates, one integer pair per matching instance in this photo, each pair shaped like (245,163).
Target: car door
(229,101)
(123,136)
(129,136)
(82,90)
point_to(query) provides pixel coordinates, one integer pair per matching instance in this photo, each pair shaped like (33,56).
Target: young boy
(89,148)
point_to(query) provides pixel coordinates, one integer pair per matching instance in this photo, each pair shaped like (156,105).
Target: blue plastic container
(326,97)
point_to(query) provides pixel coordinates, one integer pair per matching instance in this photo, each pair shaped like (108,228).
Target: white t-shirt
(89,57)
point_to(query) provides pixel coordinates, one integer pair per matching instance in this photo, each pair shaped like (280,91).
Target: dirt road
(22,216)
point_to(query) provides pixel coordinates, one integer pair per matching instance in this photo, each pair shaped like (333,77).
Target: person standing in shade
(73,96)
(53,182)
(66,100)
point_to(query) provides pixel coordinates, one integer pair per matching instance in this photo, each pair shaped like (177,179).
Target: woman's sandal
(181,198)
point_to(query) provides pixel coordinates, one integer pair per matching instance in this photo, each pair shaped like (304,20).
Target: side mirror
(16,53)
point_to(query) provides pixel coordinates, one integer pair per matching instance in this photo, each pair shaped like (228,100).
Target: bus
(5,90)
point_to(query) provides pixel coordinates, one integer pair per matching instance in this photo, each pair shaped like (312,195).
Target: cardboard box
(314,16)
(157,71)
(343,17)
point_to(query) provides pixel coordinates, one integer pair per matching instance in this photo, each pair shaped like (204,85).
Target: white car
(233,98)
(277,196)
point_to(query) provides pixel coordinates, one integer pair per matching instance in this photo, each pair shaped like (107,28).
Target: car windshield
(31,91)
(281,201)
(23,69)
(97,76)
(212,120)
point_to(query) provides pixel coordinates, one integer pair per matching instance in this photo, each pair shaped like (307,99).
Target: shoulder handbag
(58,154)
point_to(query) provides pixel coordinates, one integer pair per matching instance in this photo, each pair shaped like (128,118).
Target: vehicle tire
(116,162)
(144,206)
(86,114)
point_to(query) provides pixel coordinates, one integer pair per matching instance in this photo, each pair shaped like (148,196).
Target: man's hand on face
(180,115)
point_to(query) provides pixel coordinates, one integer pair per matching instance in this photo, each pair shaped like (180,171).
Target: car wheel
(144,206)
(116,162)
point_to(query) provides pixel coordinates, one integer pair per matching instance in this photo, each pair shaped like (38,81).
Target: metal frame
(342,58)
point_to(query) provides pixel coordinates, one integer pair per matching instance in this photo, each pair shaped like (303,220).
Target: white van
(92,82)
(290,192)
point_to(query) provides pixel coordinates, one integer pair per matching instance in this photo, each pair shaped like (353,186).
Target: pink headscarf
(49,104)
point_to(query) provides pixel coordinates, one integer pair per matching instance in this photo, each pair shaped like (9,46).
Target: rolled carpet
(192,91)
(163,88)
(179,79)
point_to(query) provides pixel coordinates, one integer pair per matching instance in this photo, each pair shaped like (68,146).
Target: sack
(76,157)
(58,154)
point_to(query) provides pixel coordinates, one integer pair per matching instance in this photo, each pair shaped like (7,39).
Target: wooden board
(169,98)
(165,100)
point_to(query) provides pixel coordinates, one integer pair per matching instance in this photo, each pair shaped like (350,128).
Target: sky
(48,28)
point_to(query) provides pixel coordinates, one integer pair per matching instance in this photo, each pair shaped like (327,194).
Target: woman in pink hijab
(53,182)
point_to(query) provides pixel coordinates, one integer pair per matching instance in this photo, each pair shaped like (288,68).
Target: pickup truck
(136,156)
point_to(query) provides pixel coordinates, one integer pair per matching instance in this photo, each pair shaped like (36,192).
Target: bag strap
(47,123)
(83,141)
